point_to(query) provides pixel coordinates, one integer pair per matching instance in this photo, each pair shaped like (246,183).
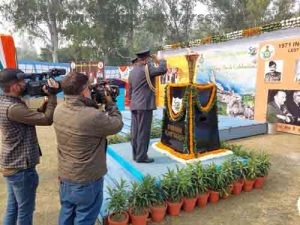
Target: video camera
(98,91)
(36,81)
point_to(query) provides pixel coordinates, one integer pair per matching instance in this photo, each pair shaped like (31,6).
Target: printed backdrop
(232,69)
(284,52)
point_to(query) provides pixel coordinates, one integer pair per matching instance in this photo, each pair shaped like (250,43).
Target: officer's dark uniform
(142,104)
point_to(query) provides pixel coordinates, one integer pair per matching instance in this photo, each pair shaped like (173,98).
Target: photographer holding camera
(20,151)
(142,101)
(81,130)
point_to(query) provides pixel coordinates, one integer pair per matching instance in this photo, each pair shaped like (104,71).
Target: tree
(40,18)
(283,9)
(231,15)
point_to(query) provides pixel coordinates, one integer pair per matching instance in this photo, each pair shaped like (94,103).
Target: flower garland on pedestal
(189,101)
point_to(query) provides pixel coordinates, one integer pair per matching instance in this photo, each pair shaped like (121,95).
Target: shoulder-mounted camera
(36,81)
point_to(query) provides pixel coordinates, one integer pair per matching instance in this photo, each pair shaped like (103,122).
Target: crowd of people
(81,128)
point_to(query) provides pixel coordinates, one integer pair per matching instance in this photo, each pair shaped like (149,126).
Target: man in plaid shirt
(20,151)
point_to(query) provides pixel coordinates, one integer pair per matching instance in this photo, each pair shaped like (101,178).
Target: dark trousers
(140,133)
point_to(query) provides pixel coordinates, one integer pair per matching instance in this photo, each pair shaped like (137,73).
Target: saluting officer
(142,102)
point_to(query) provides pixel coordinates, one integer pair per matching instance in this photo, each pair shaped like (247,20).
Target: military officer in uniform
(142,102)
(273,75)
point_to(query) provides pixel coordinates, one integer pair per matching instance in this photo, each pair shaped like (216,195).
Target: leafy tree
(230,15)
(40,18)
(283,9)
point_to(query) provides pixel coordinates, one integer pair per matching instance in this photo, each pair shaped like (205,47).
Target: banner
(284,107)
(177,74)
(8,53)
(278,84)
(231,68)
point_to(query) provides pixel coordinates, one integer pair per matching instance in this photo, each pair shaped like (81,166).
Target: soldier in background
(273,75)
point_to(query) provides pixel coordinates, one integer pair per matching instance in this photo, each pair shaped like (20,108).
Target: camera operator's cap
(143,54)
(9,75)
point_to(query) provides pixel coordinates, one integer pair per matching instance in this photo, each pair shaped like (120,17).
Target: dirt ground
(275,204)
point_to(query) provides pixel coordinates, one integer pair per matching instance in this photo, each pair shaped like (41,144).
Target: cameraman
(20,151)
(81,131)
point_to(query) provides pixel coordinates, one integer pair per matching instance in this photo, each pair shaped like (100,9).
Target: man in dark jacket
(273,75)
(142,103)
(277,111)
(294,107)
(81,130)
(20,151)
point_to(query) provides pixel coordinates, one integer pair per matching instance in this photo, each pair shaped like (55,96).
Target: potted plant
(189,189)
(263,167)
(214,182)
(250,174)
(238,174)
(172,191)
(139,203)
(200,179)
(117,204)
(154,194)
(227,178)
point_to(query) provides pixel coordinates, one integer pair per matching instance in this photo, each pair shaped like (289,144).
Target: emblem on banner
(267,52)
(176,104)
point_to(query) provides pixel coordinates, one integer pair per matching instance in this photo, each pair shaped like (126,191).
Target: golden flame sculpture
(192,57)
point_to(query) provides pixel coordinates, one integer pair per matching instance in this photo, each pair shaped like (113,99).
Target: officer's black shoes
(148,160)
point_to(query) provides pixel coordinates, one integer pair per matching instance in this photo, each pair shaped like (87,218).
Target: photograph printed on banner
(273,70)
(284,107)
(297,70)
(172,76)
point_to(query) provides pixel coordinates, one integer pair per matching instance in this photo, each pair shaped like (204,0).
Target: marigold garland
(168,102)
(251,31)
(189,101)
(284,24)
(188,156)
(191,125)
(212,97)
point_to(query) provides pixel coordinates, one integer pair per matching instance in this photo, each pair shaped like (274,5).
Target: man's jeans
(21,189)
(80,203)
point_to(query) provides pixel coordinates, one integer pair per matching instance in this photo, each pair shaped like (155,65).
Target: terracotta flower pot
(174,208)
(158,212)
(123,221)
(248,185)
(237,187)
(202,200)
(259,182)
(213,196)
(189,204)
(139,219)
